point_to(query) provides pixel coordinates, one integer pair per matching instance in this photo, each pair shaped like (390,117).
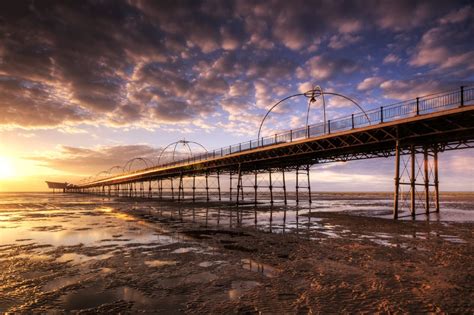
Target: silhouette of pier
(415,132)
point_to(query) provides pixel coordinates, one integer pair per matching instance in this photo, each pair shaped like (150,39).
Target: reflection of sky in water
(65,220)
(69,219)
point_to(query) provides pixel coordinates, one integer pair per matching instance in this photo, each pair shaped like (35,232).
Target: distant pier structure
(414,132)
(59,186)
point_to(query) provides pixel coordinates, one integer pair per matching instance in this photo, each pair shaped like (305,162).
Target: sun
(7,168)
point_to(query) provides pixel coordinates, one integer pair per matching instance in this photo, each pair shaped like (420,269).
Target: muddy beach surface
(87,254)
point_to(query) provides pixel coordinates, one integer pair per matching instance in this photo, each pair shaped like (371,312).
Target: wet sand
(86,254)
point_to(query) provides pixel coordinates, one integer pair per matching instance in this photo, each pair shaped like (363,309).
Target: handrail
(421,105)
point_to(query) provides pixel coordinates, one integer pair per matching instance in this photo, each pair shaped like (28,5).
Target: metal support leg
(180,188)
(160,189)
(436,182)
(149,190)
(230,186)
(194,188)
(219,186)
(207,186)
(427,180)
(270,186)
(255,187)
(284,186)
(297,186)
(412,181)
(239,184)
(309,186)
(397,180)
(172,188)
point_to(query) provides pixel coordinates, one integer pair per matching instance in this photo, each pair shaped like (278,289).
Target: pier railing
(419,106)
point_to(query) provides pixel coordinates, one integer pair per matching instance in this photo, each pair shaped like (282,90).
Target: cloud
(341,41)
(88,161)
(391,58)
(150,64)
(411,88)
(91,161)
(323,67)
(444,45)
(369,83)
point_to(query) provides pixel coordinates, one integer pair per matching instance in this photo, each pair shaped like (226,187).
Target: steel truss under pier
(250,174)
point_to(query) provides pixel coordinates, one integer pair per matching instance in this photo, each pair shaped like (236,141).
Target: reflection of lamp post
(312,95)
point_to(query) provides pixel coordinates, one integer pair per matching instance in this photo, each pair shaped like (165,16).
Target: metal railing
(411,108)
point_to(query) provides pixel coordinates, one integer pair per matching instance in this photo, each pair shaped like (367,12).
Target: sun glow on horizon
(7,167)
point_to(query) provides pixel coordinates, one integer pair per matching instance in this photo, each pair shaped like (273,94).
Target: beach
(341,254)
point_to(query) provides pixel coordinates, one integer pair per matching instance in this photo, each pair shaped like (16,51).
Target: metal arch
(109,171)
(130,162)
(185,143)
(311,94)
(100,173)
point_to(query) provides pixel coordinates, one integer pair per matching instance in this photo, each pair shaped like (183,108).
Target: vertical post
(417,106)
(207,186)
(412,180)
(329,126)
(397,179)
(172,188)
(180,187)
(219,185)
(160,189)
(270,186)
(297,186)
(436,182)
(150,195)
(381,114)
(427,180)
(239,177)
(194,188)
(230,185)
(307,131)
(309,186)
(255,186)
(284,186)
(352,119)
(291,135)
(462,96)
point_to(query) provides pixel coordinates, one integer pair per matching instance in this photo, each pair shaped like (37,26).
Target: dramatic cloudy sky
(85,85)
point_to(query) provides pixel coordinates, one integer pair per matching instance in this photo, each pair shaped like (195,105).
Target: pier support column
(397,180)
(436,182)
(207,186)
(219,185)
(172,188)
(310,199)
(150,192)
(239,184)
(427,180)
(284,186)
(412,181)
(304,171)
(297,185)
(194,188)
(180,188)
(230,186)
(255,186)
(270,186)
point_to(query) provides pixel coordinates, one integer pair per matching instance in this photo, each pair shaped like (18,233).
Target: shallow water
(66,252)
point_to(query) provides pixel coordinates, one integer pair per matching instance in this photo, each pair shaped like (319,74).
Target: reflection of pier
(415,132)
